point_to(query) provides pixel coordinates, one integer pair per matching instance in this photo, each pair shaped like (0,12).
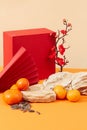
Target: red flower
(52,55)
(53,48)
(60,61)
(61,49)
(64,32)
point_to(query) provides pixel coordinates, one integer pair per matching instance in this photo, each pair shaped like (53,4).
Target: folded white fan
(60,78)
(68,80)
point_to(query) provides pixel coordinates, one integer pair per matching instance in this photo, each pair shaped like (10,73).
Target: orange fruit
(40,82)
(73,95)
(60,92)
(22,84)
(12,96)
(14,86)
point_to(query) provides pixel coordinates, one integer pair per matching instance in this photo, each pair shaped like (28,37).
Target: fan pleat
(21,65)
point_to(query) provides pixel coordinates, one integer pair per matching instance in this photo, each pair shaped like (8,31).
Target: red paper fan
(21,65)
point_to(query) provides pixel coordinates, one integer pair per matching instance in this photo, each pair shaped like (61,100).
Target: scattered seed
(31,110)
(38,112)
(24,106)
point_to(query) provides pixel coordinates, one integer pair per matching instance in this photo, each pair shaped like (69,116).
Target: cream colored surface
(25,14)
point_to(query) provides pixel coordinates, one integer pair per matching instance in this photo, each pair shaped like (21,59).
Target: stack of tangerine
(14,95)
(61,93)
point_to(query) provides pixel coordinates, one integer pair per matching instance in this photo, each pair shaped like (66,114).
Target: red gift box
(38,42)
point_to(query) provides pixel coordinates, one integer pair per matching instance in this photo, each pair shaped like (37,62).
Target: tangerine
(73,95)
(12,96)
(14,86)
(22,84)
(60,92)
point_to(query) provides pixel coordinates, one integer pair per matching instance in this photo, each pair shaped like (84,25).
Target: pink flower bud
(69,25)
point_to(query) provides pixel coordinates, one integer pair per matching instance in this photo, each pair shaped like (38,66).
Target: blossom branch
(59,48)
